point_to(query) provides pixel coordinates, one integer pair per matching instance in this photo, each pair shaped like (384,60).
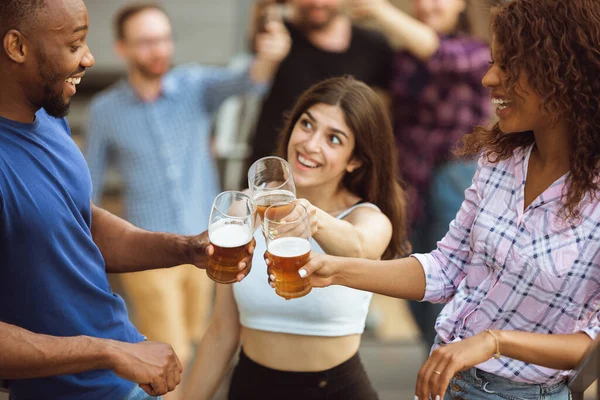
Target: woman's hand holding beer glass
(231,234)
(287,232)
(313,216)
(321,270)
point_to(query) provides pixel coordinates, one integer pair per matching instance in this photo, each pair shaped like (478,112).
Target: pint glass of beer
(230,232)
(287,232)
(270,181)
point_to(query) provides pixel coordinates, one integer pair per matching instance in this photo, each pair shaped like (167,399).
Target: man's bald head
(14,14)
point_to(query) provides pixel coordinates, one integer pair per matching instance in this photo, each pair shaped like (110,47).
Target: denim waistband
(493,383)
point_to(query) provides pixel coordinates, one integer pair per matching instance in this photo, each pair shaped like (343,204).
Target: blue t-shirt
(52,274)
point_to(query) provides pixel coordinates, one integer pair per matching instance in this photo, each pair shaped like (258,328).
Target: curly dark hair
(556,44)
(14,14)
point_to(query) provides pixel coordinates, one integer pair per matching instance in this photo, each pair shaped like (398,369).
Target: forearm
(338,237)
(403,278)
(263,70)
(126,248)
(27,355)
(212,362)
(562,352)
(407,33)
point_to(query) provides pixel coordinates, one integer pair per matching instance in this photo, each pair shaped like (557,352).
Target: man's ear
(15,46)
(119,47)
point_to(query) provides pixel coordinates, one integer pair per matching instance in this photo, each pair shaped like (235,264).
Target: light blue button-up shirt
(162,148)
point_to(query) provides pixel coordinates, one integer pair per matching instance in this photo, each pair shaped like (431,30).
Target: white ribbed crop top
(331,311)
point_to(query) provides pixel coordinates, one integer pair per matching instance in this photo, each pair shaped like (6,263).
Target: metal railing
(587,372)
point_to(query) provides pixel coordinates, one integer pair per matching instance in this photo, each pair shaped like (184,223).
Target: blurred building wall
(206,31)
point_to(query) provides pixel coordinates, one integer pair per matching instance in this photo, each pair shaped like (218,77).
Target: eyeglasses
(148,43)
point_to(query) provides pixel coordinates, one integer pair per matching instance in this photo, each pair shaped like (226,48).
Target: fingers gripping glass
(271,181)
(230,232)
(287,232)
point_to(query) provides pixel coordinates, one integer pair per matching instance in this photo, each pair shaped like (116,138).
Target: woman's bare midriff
(287,352)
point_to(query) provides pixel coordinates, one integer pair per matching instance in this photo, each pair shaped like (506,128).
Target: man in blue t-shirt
(63,333)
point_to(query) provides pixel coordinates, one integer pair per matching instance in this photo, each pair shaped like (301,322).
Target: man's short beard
(308,25)
(146,72)
(53,102)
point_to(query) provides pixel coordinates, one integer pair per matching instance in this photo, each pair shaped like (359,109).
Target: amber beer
(286,256)
(230,241)
(266,199)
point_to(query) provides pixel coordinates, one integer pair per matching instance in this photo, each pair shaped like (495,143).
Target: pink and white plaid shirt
(502,267)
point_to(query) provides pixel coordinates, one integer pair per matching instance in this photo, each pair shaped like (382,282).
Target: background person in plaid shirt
(520,266)
(437,98)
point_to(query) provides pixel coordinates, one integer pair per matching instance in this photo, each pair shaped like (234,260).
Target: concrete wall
(206,31)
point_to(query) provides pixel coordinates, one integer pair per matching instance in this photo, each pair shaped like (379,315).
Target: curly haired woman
(520,265)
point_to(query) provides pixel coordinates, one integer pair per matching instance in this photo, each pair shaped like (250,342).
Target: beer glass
(287,232)
(270,181)
(230,232)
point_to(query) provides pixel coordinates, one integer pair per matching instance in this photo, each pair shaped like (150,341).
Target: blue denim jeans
(138,394)
(475,384)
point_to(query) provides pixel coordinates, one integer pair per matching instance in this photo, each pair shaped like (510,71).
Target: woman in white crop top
(338,140)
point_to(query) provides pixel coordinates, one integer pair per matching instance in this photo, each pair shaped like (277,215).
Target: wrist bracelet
(497,354)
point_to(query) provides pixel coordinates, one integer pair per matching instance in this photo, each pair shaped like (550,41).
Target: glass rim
(266,158)
(280,204)
(235,192)
(251,185)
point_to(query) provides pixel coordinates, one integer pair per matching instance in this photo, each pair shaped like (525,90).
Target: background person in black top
(325,44)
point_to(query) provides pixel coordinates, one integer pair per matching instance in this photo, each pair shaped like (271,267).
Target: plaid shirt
(504,268)
(435,104)
(162,147)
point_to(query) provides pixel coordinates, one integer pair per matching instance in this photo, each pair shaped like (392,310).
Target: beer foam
(289,247)
(229,235)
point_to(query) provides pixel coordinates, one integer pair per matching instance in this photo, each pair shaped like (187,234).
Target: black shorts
(347,381)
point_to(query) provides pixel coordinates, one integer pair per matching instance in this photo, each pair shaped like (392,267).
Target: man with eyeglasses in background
(156,124)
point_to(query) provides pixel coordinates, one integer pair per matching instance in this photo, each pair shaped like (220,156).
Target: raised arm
(364,233)
(402,30)
(272,47)
(217,348)
(432,277)
(217,84)
(126,248)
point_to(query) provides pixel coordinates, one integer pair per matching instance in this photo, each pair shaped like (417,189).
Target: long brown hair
(556,45)
(376,181)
